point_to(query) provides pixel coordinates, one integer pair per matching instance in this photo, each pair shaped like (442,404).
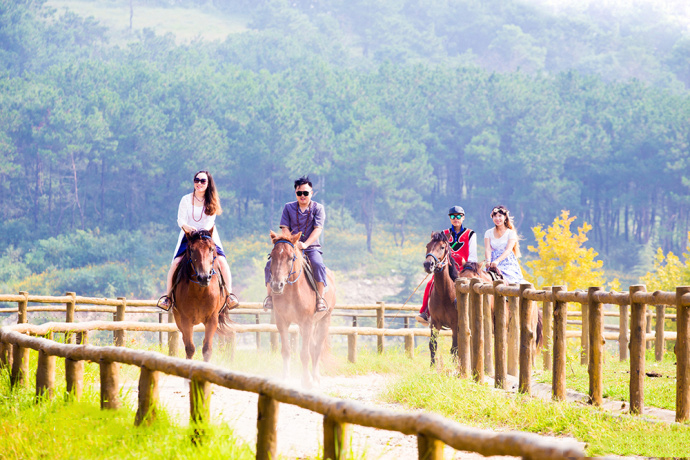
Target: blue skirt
(183,248)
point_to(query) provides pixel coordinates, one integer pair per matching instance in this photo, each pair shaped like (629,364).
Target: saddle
(495,273)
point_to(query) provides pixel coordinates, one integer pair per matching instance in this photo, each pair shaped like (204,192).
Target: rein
(440,264)
(292,267)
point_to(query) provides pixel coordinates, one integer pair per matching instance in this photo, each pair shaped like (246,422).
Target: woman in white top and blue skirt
(198,211)
(501,246)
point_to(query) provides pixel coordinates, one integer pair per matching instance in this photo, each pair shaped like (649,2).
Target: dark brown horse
(475,270)
(442,311)
(294,301)
(197,293)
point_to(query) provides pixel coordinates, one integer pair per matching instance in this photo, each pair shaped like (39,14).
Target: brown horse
(442,310)
(294,301)
(197,297)
(475,270)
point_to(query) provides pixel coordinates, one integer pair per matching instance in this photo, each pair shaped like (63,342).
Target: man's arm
(472,257)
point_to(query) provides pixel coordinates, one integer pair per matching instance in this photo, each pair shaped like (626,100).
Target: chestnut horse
(197,294)
(294,301)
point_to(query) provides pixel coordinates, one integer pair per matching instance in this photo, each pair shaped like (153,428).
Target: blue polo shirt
(297,220)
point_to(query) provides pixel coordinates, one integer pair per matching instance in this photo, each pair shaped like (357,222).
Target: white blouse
(502,242)
(194,216)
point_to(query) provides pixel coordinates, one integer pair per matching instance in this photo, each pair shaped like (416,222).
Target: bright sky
(679,9)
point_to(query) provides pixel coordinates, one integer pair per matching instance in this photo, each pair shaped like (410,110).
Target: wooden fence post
(199,401)
(110,385)
(584,337)
(648,329)
(547,317)
(336,439)
(20,366)
(231,342)
(560,318)
(429,448)
(119,336)
(380,323)
(477,334)
(526,341)
(488,335)
(258,334)
(464,359)
(352,347)
(659,345)
(623,340)
(74,377)
(682,357)
(45,376)
(173,338)
(637,351)
(22,315)
(267,428)
(5,355)
(409,344)
(160,334)
(70,308)
(596,348)
(501,337)
(148,396)
(513,335)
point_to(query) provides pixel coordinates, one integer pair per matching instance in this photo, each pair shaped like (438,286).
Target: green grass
(658,391)
(185,23)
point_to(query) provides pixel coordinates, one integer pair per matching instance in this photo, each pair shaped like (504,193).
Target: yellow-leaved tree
(668,271)
(562,259)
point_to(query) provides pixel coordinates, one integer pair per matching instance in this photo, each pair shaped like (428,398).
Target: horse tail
(224,322)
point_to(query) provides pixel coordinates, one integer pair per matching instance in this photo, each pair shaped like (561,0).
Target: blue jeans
(315,257)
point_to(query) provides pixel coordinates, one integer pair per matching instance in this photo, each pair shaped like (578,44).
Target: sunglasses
(456,216)
(199,181)
(498,211)
(301,193)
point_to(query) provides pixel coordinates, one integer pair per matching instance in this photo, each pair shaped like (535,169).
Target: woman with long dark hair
(501,245)
(198,211)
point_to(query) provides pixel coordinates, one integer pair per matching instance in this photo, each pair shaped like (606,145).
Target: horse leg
(432,344)
(317,345)
(210,327)
(284,345)
(186,328)
(307,331)
(454,346)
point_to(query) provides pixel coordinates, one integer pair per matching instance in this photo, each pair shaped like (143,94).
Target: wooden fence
(432,431)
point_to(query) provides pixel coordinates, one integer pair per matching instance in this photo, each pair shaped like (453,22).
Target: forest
(396,109)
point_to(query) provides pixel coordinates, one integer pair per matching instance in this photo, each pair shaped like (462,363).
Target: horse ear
(295,238)
(188,234)
(432,234)
(274,236)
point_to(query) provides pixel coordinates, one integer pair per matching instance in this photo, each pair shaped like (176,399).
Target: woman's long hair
(211,200)
(500,209)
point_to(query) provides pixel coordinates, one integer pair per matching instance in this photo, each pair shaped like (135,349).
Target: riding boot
(231,299)
(423,317)
(268,301)
(320,301)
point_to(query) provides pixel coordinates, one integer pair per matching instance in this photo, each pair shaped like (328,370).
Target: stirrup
(231,301)
(164,303)
(321,305)
(268,303)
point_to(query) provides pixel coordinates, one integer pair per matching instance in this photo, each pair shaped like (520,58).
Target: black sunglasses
(456,216)
(199,181)
(301,193)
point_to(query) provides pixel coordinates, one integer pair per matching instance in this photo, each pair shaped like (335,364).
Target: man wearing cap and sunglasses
(463,248)
(307,216)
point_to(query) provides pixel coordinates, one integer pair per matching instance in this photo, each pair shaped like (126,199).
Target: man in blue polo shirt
(306,216)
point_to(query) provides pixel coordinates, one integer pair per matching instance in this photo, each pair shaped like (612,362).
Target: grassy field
(28,429)
(185,23)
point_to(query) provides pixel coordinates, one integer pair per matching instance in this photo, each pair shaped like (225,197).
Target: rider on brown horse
(306,216)
(463,248)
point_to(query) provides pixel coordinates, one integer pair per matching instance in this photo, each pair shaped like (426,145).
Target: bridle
(191,262)
(294,259)
(440,264)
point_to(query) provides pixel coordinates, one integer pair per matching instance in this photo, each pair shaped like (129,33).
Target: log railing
(555,302)
(432,431)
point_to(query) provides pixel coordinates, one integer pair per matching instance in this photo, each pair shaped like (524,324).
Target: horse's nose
(428,266)
(204,280)
(277,286)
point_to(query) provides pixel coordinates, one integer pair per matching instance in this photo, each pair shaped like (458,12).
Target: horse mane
(437,237)
(452,270)
(197,235)
(471,266)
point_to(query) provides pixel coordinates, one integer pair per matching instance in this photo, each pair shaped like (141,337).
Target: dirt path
(300,432)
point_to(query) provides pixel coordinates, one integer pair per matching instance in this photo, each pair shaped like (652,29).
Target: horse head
(201,254)
(284,259)
(436,253)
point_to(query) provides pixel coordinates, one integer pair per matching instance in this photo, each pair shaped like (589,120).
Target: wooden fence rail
(432,430)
